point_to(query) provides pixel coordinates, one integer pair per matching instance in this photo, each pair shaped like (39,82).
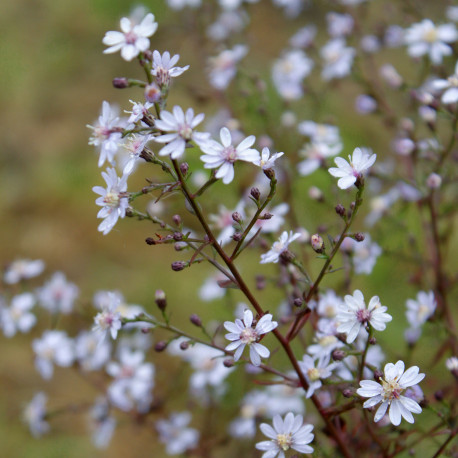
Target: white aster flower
(139,110)
(285,434)
(133,39)
(226,25)
(91,353)
(109,319)
(242,333)
(223,155)
(266,160)
(320,133)
(280,246)
(58,295)
(114,200)
(18,316)
(180,128)
(35,413)
(304,37)
(134,145)
(324,346)
(339,25)
(353,314)
(315,370)
(389,393)
(223,67)
(315,154)
(351,171)
(337,58)
(418,311)
(449,86)
(175,434)
(163,67)
(425,38)
(22,269)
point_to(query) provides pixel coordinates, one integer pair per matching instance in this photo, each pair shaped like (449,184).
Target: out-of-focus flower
(337,59)
(109,319)
(388,392)
(426,38)
(315,154)
(339,25)
(223,67)
(58,295)
(273,255)
(449,86)
(91,352)
(35,413)
(133,39)
(102,425)
(18,316)
(180,4)
(241,333)
(134,145)
(304,37)
(175,434)
(365,255)
(290,433)
(22,269)
(227,24)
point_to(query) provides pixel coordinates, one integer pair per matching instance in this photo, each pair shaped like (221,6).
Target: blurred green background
(54,79)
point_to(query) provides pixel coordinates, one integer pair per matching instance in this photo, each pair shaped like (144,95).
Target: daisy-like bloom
(18,317)
(314,371)
(58,295)
(418,311)
(114,200)
(134,146)
(35,413)
(353,314)
(289,71)
(389,393)
(223,67)
(175,434)
(180,128)
(352,171)
(337,58)
(107,133)
(273,255)
(139,110)
(133,39)
(449,86)
(320,133)
(425,38)
(163,67)
(223,155)
(290,433)
(23,269)
(242,333)
(266,160)
(109,319)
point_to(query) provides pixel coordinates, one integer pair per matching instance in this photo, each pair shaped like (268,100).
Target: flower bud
(176,219)
(260,282)
(372,341)
(347,393)
(338,355)
(228,362)
(255,193)
(184,167)
(160,299)
(150,241)
(237,236)
(316,194)
(434,181)
(237,217)
(378,375)
(153,93)
(269,173)
(179,246)
(120,83)
(195,320)
(286,257)
(160,346)
(178,265)
(340,210)
(317,243)
(184,345)
(177,236)
(266,216)
(359,237)
(297,302)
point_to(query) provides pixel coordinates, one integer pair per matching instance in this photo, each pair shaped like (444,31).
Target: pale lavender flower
(351,171)
(280,246)
(114,200)
(58,295)
(23,269)
(266,160)
(290,433)
(163,67)
(241,333)
(223,155)
(223,67)
(353,315)
(420,310)
(426,38)
(18,316)
(365,104)
(452,365)
(53,347)
(449,86)
(315,370)
(339,25)
(139,110)
(133,39)
(180,130)
(227,24)
(452,13)
(337,59)
(91,352)
(134,145)
(109,319)
(175,434)
(389,392)
(304,37)
(35,413)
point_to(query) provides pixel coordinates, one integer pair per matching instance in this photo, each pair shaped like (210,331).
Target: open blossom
(163,67)
(223,67)
(241,333)
(175,434)
(290,433)
(418,311)
(449,86)
(133,39)
(180,128)
(18,316)
(22,269)
(109,319)
(266,160)
(134,146)
(426,38)
(337,58)
(58,295)
(280,246)
(113,200)
(353,314)
(349,172)
(223,155)
(389,392)
(315,154)
(315,370)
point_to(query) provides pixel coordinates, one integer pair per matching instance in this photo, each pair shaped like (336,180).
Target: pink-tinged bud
(184,167)
(373,341)
(269,173)
(160,346)
(153,93)
(255,193)
(340,210)
(178,236)
(266,216)
(439,395)
(359,237)
(237,236)
(347,393)
(176,219)
(317,243)
(120,83)
(184,345)
(180,246)
(434,181)
(237,217)
(195,320)
(228,362)
(178,265)
(160,299)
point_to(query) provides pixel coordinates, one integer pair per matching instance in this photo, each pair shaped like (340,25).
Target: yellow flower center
(284,441)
